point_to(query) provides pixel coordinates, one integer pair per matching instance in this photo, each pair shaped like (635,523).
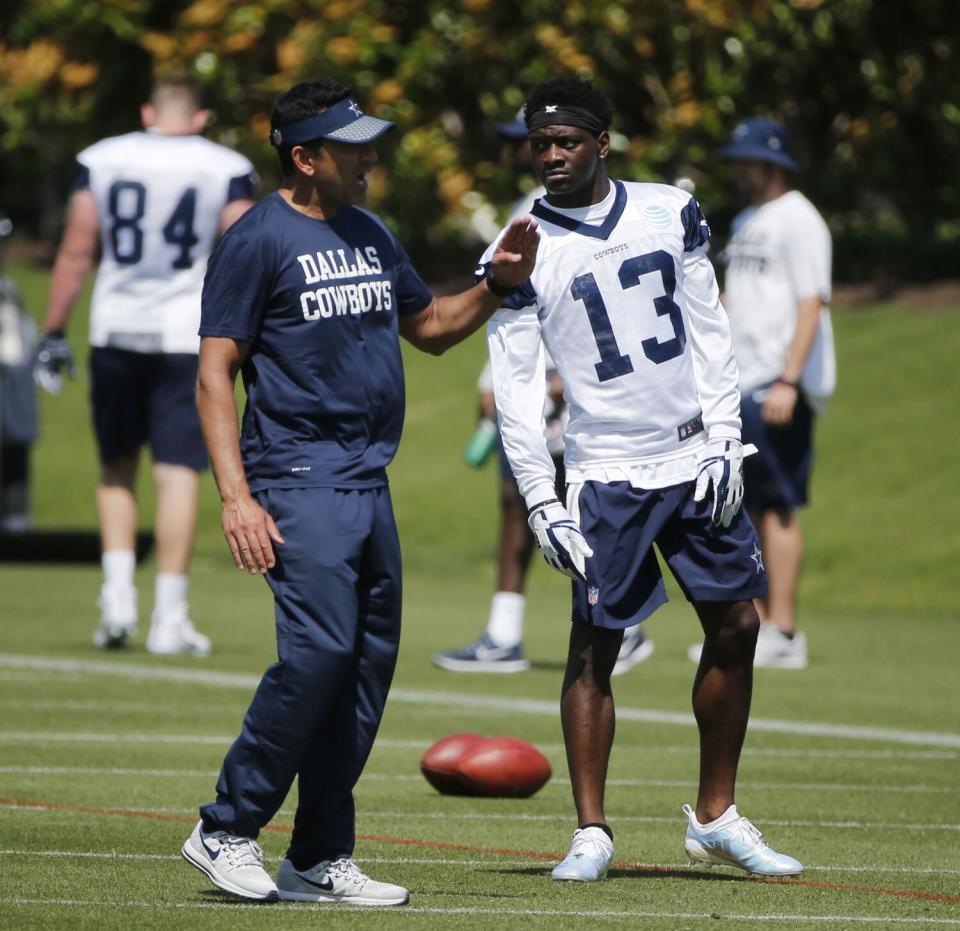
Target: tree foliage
(870,90)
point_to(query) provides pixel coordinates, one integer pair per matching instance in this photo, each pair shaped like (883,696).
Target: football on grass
(439,763)
(504,767)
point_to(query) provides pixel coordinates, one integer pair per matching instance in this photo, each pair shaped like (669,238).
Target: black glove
(53,355)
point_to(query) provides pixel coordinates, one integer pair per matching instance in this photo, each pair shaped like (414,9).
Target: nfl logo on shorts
(593,594)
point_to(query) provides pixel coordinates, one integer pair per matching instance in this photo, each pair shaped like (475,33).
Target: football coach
(306,296)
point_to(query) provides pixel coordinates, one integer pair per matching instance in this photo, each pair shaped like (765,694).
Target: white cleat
(336,881)
(775,650)
(590,855)
(118,617)
(733,841)
(233,864)
(177,638)
(634,649)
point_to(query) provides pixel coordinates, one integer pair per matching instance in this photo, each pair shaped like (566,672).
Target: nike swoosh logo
(213,853)
(325,886)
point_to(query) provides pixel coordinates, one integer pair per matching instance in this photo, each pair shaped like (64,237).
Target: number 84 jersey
(625,300)
(159,199)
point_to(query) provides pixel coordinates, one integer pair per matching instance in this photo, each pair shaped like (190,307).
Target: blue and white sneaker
(634,649)
(232,863)
(336,881)
(733,841)
(590,855)
(483,655)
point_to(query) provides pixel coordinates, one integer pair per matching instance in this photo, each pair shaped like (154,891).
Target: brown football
(504,767)
(439,763)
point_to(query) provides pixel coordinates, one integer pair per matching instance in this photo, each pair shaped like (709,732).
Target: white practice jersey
(625,300)
(779,254)
(159,200)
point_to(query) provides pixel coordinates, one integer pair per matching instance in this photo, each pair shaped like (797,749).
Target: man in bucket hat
(777,295)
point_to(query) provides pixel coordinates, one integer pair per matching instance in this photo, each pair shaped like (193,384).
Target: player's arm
(232,212)
(781,400)
(249,529)
(445,321)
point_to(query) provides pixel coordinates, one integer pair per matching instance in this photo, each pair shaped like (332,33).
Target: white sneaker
(231,863)
(176,637)
(336,881)
(775,650)
(634,649)
(590,855)
(734,841)
(118,617)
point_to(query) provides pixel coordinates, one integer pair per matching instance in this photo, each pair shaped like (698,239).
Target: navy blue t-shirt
(318,301)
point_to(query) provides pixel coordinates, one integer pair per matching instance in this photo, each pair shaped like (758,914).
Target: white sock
(118,566)
(505,626)
(170,603)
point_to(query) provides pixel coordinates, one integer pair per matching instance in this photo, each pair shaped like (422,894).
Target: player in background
(308,295)
(777,293)
(625,300)
(155,202)
(500,647)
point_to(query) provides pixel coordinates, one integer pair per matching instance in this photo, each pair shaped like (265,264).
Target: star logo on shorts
(355,108)
(757,557)
(551,108)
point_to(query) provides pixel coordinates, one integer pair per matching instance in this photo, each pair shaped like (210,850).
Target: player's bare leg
(516,539)
(588,716)
(783,547)
(117,504)
(722,689)
(171,631)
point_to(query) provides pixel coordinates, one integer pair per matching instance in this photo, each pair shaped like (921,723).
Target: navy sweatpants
(315,714)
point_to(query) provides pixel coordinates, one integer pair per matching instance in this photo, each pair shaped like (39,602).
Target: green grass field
(852,765)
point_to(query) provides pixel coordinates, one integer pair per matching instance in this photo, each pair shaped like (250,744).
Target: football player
(625,300)
(155,202)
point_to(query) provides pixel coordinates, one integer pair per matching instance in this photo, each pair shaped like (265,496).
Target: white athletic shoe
(590,855)
(336,881)
(774,650)
(634,649)
(734,841)
(777,651)
(118,617)
(233,864)
(177,637)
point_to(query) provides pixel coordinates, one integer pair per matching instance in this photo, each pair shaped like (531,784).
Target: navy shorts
(777,477)
(624,583)
(140,398)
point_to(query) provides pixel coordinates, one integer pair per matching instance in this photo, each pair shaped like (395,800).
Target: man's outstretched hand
(516,253)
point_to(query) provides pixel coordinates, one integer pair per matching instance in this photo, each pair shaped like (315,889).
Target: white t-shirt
(626,302)
(159,200)
(779,254)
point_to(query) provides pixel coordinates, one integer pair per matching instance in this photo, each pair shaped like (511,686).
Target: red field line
(498,851)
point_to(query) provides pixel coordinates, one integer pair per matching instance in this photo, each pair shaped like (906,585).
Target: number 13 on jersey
(612,363)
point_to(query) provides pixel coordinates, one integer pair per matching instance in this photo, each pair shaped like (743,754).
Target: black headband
(565,115)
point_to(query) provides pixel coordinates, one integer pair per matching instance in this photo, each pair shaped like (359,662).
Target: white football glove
(721,469)
(559,538)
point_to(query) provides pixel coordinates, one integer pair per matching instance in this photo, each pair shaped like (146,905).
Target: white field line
(494,912)
(556,783)
(458,699)
(446,861)
(558,817)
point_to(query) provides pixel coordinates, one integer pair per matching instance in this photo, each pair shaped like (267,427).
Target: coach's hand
(53,355)
(721,473)
(516,253)
(250,533)
(559,538)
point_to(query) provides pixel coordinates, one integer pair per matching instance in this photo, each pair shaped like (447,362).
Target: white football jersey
(779,254)
(159,199)
(626,302)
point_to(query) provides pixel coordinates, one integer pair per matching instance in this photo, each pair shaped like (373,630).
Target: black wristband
(790,384)
(541,504)
(495,288)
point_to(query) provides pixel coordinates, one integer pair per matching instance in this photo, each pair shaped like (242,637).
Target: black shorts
(140,398)
(777,478)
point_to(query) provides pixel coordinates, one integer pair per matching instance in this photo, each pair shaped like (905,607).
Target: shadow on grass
(552,664)
(639,872)
(221,897)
